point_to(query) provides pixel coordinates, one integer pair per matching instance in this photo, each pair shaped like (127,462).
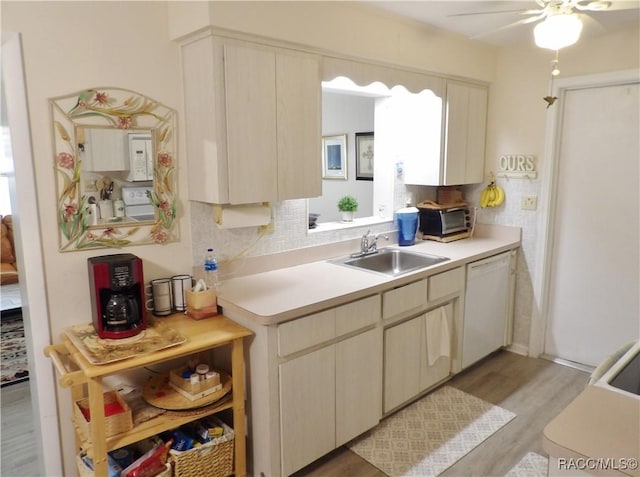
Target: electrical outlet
(90,186)
(529,202)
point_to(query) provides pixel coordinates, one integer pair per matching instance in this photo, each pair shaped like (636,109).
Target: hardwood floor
(536,390)
(17,432)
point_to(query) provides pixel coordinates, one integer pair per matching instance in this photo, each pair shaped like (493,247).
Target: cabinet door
(250,77)
(476,134)
(203,78)
(299,105)
(358,384)
(106,150)
(465,134)
(402,348)
(307,408)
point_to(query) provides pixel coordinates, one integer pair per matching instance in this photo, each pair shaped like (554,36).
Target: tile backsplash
(290,232)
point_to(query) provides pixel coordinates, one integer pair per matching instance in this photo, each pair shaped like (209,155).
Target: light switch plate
(529,202)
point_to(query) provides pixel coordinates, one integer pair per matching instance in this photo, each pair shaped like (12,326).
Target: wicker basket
(114,424)
(213,459)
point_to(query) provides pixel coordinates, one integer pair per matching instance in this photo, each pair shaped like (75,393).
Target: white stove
(137,205)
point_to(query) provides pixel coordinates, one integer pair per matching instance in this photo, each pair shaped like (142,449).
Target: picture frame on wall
(364,156)
(334,157)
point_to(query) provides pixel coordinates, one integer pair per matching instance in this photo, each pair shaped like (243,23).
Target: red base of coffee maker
(116,335)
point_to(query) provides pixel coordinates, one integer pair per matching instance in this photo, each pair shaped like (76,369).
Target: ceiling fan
(560,20)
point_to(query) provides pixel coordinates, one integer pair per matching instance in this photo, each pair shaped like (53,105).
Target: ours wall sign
(517,166)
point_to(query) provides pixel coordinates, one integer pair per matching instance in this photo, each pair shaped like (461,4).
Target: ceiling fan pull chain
(555,71)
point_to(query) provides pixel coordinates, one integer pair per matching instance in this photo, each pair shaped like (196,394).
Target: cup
(93,215)
(180,284)
(159,299)
(106,209)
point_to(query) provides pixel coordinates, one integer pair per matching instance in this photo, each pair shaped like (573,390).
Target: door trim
(548,195)
(35,312)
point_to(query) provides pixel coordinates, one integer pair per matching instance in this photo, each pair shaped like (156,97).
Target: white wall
(517,121)
(72,46)
(351,28)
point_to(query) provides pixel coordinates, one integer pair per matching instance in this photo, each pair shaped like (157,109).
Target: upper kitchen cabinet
(252,115)
(460,159)
(465,133)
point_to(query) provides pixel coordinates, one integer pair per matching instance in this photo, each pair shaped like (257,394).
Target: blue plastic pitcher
(407,221)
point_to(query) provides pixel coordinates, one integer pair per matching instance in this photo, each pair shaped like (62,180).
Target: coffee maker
(117,295)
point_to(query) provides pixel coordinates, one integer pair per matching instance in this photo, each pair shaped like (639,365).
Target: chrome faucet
(369,246)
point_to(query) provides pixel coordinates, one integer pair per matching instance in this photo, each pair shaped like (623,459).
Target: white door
(593,296)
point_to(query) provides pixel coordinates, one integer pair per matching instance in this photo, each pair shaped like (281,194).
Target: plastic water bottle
(211,269)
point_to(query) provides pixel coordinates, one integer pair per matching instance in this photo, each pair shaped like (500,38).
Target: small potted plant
(347,205)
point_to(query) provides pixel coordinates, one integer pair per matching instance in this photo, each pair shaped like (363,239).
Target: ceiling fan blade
(521,12)
(606,6)
(524,21)
(592,6)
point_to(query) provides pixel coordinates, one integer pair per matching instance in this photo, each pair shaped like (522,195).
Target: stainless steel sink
(391,262)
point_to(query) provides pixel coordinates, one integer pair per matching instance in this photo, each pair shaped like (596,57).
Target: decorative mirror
(115,162)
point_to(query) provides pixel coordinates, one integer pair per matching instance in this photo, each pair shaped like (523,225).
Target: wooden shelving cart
(86,381)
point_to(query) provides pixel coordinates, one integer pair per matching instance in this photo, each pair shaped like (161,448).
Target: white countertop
(601,427)
(278,295)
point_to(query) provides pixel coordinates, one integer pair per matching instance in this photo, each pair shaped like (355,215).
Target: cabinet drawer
(305,332)
(405,299)
(446,283)
(356,315)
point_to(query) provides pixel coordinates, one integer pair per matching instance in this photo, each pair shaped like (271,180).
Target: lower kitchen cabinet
(307,408)
(319,380)
(405,376)
(358,385)
(328,397)
(401,368)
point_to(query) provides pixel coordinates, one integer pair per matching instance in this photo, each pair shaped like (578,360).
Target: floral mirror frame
(114,108)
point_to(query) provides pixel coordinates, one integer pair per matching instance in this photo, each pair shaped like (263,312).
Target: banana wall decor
(492,195)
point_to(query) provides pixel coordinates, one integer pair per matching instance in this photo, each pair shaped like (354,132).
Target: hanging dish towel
(437,336)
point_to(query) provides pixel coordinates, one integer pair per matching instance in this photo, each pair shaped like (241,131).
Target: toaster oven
(444,222)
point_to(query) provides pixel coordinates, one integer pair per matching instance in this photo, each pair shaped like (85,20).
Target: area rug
(531,465)
(430,435)
(13,352)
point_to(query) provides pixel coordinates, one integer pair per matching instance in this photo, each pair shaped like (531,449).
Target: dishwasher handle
(488,265)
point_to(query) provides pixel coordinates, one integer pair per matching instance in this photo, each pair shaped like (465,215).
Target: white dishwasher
(486,307)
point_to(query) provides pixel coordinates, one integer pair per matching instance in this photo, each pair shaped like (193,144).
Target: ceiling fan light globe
(557,31)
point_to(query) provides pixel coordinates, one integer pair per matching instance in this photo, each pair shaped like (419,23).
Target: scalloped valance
(363,74)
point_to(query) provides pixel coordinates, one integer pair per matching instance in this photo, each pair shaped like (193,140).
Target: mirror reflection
(382,126)
(115,162)
(347,110)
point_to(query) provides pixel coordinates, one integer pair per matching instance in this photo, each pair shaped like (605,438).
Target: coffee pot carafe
(120,310)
